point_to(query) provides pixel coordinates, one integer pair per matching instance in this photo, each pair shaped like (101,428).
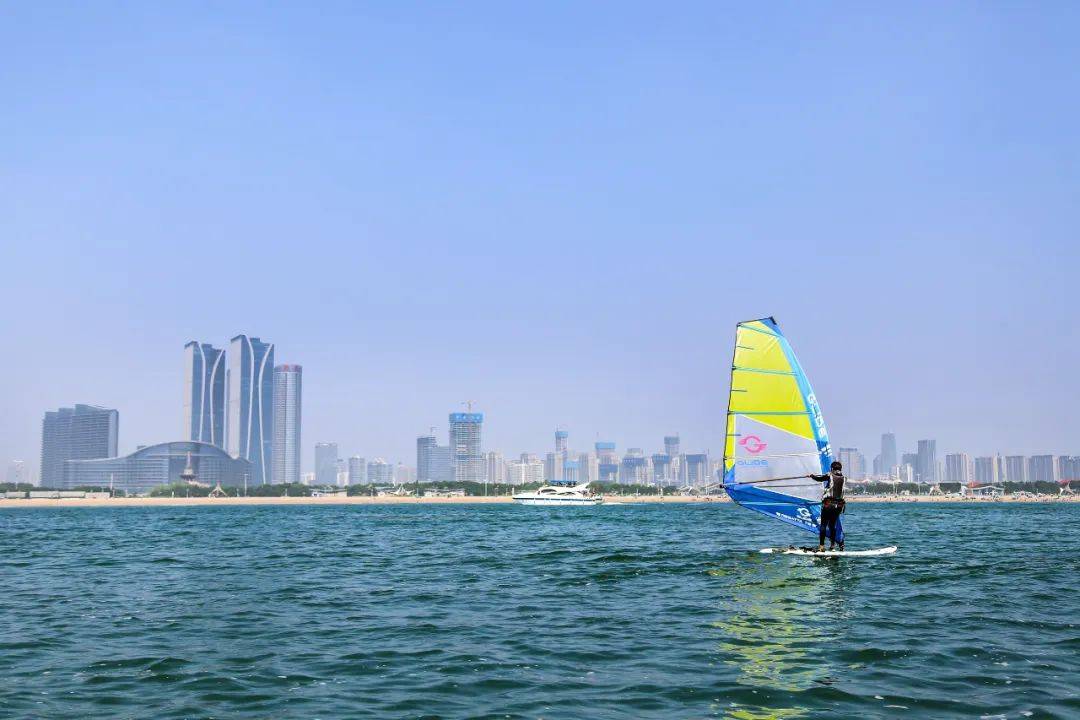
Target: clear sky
(557,210)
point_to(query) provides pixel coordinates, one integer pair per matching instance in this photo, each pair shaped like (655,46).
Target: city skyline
(598,213)
(465,457)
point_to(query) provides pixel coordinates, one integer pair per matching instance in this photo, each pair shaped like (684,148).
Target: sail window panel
(795,424)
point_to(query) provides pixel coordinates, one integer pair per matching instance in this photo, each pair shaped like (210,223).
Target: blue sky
(557,210)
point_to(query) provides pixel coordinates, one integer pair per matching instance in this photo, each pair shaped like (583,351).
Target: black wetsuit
(832,504)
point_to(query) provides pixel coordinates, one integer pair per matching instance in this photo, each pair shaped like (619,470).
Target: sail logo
(753,444)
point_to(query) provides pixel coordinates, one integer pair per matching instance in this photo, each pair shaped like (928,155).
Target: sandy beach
(501,499)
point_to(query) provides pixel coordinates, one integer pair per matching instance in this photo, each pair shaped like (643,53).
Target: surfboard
(832,553)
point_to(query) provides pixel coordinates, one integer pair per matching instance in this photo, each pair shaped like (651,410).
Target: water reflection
(776,631)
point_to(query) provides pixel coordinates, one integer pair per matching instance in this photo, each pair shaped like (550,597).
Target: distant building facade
(249,425)
(1068,468)
(853,461)
(204,393)
(496,467)
(987,470)
(958,468)
(326,463)
(16,473)
(1043,468)
(888,458)
(380,472)
(466,454)
(607,462)
(634,469)
(357,470)
(527,469)
(696,470)
(425,457)
(1016,469)
(82,432)
(288,394)
(926,471)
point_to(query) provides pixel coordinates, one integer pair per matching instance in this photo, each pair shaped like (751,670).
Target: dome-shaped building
(159,464)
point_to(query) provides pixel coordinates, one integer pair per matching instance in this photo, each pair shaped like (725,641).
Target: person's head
(836,467)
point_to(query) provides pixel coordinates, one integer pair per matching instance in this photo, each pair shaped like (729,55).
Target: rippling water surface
(503,611)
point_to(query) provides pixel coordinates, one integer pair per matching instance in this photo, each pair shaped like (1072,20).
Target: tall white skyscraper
(249,427)
(204,393)
(285,464)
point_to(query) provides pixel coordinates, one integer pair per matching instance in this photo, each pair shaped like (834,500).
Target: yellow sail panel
(759,350)
(769,392)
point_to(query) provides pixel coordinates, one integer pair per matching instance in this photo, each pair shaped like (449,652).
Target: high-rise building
(250,411)
(661,469)
(496,468)
(528,469)
(987,470)
(633,470)
(590,467)
(926,469)
(83,432)
(958,468)
(466,453)
(326,457)
(853,461)
(380,472)
(672,448)
(1043,468)
(607,462)
(888,453)
(16,472)
(404,475)
(204,393)
(1068,468)
(425,457)
(357,470)
(696,470)
(1016,469)
(285,456)
(555,464)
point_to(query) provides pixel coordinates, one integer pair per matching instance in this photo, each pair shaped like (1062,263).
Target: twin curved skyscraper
(229,401)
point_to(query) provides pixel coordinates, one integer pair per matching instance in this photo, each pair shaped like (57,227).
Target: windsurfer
(832,505)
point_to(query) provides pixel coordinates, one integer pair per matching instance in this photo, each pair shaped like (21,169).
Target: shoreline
(470,500)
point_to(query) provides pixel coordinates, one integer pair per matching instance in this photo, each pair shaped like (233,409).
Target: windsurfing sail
(776,435)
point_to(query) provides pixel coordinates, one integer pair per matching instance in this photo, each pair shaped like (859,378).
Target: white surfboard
(833,553)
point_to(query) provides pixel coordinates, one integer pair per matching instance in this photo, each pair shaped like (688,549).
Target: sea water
(651,611)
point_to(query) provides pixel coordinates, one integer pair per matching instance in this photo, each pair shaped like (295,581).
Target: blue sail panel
(792,510)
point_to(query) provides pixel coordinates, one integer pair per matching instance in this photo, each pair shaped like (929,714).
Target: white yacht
(560,495)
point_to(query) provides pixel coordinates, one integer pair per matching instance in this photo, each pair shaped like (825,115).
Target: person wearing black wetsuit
(832,504)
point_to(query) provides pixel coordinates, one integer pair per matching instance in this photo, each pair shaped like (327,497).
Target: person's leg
(831,528)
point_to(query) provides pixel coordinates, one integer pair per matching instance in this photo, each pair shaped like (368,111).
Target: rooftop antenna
(468,404)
